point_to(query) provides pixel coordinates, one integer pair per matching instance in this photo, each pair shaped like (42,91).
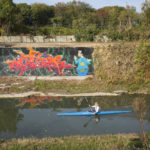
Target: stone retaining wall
(36,39)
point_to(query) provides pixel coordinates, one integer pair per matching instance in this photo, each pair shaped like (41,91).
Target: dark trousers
(91,109)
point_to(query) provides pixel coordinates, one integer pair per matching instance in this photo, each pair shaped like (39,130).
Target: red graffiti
(34,59)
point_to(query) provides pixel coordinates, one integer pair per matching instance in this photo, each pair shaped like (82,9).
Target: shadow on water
(37,116)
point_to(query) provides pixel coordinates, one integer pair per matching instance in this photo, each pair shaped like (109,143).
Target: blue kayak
(87,113)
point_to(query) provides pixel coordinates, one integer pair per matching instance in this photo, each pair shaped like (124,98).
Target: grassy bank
(14,85)
(104,142)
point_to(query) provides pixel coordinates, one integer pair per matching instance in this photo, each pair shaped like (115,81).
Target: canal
(37,116)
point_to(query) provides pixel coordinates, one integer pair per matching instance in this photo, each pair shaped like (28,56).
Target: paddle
(87,101)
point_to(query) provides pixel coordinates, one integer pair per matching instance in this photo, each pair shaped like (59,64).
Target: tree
(25,12)
(65,13)
(102,15)
(114,13)
(146,11)
(60,15)
(84,29)
(108,16)
(41,13)
(7,14)
(127,18)
(140,109)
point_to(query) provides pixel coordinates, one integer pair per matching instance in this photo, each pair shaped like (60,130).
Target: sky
(94,3)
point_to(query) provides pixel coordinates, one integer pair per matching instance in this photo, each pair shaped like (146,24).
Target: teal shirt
(82,63)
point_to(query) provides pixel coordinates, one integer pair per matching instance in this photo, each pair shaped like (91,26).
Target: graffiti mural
(83,63)
(35,60)
(46,61)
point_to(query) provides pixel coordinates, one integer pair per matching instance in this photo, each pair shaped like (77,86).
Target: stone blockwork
(36,39)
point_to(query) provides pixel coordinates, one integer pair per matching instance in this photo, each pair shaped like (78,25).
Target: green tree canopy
(41,13)
(65,13)
(128,18)
(25,12)
(7,13)
(146,11)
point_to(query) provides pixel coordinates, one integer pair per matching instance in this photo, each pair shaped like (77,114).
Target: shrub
(53,31)
(143,60)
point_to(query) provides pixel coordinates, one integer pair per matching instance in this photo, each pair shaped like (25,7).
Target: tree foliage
(41,13)
(146,11)
(7,13)
(118,23)
(25,13)
(143,59)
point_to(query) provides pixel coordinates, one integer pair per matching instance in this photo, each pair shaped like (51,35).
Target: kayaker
(95,108)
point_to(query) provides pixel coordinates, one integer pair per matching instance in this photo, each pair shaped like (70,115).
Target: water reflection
(36,116)
(95,119)
(9,116)
(34,101)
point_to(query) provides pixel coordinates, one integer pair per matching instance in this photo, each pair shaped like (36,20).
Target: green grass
(104,142)
(86,86)
(73,86)
(91,85)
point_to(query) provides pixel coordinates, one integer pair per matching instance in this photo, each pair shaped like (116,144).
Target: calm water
(37,117)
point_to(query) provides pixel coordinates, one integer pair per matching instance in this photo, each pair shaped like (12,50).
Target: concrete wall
(46,61)
(35,39)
